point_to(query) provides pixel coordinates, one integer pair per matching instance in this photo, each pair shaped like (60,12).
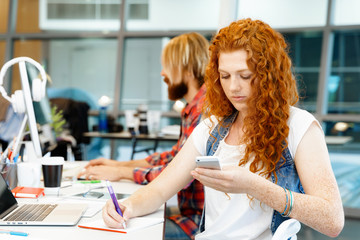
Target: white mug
(29,174)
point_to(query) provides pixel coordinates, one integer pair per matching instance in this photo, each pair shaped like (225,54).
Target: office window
(4,12)
(344,82)
(346,12)
(167,15)
(138,10)
(88,65)
(2,52)
(142,82)
(306,13)
(82,10)
(90,15)
(305,52)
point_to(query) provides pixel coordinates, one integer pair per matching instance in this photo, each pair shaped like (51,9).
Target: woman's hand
(231,179)
(112,218)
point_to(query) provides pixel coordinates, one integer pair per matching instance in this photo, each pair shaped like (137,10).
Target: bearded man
(184,60)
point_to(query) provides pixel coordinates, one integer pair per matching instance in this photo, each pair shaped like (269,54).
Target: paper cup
(52,168)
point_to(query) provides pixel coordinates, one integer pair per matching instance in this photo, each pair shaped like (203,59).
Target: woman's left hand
(231,179)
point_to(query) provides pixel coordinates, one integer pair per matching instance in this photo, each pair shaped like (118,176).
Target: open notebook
(132,224)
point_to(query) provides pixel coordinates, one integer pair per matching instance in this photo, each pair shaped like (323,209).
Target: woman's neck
(236,133)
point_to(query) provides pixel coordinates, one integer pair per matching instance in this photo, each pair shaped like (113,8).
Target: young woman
(274,156)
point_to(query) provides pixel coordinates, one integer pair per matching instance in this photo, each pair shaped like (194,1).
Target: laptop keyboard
(31,212)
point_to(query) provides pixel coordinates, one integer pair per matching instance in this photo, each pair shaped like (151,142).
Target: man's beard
(176,91)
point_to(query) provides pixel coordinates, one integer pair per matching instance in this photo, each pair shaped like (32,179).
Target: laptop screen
(7,200)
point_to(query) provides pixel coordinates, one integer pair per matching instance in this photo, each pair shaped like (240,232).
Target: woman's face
(235,78)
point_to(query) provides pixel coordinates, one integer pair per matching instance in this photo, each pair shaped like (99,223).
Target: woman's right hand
(112,218)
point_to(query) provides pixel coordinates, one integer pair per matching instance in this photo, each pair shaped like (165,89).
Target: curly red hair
(274,90)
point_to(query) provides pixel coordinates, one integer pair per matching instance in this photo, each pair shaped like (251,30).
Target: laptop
(36,214)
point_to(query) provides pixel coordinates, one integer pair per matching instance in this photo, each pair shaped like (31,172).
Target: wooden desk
(76,233)
(134,139)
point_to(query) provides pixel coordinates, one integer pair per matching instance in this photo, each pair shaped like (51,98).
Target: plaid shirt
(191,198)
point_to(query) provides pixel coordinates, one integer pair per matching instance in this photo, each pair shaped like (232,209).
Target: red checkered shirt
(191,198)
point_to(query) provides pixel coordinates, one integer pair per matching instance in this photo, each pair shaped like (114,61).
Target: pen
(112,194)
(24,234)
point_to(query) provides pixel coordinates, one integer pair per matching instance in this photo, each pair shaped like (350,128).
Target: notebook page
(132,224)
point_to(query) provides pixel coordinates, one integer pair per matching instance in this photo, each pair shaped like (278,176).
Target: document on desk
(93,207)
(133,224)
(12,237)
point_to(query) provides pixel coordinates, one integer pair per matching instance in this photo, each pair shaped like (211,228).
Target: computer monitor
(29,110)
(22,100)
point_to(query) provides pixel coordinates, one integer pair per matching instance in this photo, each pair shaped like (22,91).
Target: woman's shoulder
(299,122)
(206,125)
(297,114)
(209,121)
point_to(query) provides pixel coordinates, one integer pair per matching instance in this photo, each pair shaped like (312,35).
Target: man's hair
(273,89)
(187,52)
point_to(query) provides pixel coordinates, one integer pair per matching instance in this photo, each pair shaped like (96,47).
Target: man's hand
(110,173)
(105,162)
(111,170)
(97,169)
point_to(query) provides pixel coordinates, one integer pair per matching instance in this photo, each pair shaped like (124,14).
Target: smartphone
(211,162)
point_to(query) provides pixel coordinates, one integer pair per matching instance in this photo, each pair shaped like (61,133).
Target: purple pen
(113,197)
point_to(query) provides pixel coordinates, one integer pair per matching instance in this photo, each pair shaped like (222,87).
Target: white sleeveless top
(238,217)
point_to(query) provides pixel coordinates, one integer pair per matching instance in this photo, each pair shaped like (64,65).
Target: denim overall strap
(287,177)
(218,133)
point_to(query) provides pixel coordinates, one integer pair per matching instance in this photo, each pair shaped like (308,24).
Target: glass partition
(345,74)
(142,82)
(81,69)
(85,65)
(305,52)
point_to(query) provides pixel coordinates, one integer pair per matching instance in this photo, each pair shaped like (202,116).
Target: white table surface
(74,232)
